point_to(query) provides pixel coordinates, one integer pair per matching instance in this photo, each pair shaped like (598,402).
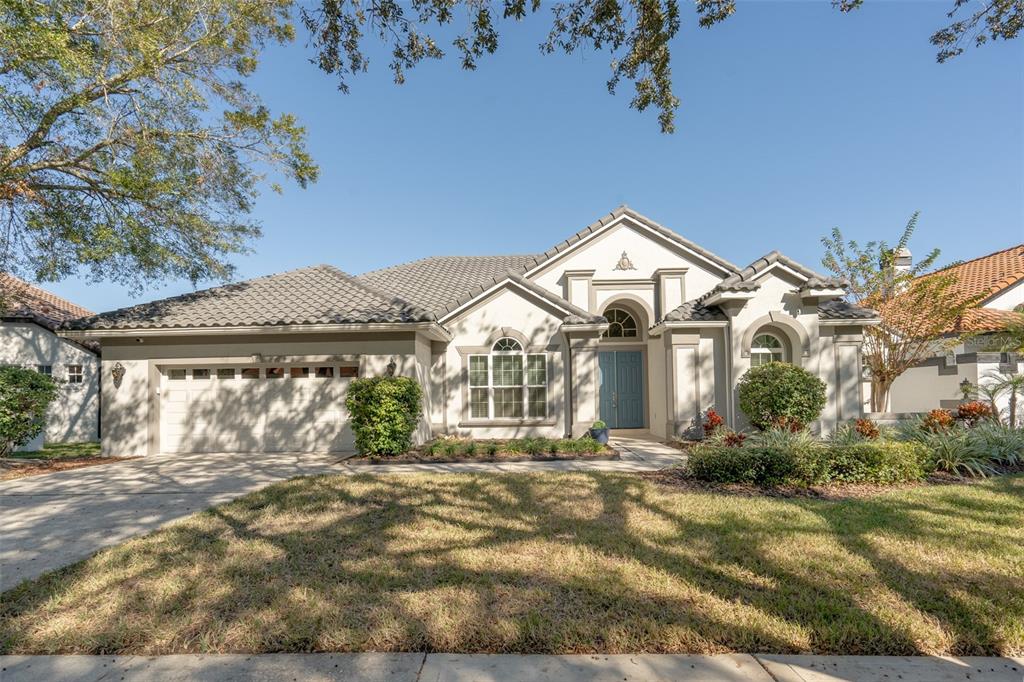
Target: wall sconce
(117,371)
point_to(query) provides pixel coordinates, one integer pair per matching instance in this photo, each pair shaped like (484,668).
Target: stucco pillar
(683,374)
(671,290)
(579,288)
(584,381)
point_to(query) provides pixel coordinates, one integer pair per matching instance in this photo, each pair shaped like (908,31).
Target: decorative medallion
(117,371)
(624,263)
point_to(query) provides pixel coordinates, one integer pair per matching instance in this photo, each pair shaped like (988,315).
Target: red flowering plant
(712,422)
(973,412)
(867,429)
(734,439)
(937,421)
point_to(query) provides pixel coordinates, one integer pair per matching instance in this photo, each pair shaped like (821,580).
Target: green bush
(586,444)
(25,395)
(808,462)
(874,461)
(384,413)
(780,395)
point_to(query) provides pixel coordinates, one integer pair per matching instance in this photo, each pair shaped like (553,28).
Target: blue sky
(794,119)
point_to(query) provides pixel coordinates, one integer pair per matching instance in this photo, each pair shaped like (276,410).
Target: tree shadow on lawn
(567,563)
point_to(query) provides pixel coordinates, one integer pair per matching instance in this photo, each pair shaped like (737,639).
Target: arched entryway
(622,362)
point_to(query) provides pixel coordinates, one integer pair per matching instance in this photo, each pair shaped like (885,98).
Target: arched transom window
(508,383)
(766,348)
(620,324)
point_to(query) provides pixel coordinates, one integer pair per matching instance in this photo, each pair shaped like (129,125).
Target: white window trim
(490,386)
(777,354)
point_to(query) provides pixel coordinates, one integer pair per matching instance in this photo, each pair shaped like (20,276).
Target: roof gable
(22,300)
(320,294)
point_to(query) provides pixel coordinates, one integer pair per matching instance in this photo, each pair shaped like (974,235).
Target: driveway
(56,519)
(52,520)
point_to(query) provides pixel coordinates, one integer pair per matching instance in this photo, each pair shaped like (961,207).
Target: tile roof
(988,275)
(619,212)
(442,283)
(743,280)
(696,311)
(988,320)
(321,294)
(844,310)
(576,314)
(22,300)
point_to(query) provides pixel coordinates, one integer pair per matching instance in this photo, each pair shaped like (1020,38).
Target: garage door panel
(225,414)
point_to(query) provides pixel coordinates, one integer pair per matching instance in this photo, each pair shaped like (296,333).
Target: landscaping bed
(547,563)
(52,458)
(451,450)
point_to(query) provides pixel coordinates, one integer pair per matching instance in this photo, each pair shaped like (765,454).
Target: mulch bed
(440,458)
(677,478)
(19,468)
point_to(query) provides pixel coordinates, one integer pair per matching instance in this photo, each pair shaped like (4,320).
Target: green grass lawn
(61,451)
(549,563)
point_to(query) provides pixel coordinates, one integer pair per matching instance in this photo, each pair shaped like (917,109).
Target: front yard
(53,457)
(548,563)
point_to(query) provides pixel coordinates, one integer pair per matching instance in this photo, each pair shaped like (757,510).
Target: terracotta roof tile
(988,320)
(988,275)
(24,300)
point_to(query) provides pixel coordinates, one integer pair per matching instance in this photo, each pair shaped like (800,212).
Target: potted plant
(599,432)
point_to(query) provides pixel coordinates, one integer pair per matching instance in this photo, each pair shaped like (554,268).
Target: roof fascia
(431,329)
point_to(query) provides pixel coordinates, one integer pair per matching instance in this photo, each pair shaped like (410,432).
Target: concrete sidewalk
(418,667)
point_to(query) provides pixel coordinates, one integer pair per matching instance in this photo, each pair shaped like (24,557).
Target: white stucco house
(29,317)
(626,321)
(997,279)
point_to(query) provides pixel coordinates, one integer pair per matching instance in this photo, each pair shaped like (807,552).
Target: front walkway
(418,667)
(52,520)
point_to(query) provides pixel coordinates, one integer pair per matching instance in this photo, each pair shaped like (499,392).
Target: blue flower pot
(600,435)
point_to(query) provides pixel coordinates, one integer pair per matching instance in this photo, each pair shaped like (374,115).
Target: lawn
(550,563)
(53,451)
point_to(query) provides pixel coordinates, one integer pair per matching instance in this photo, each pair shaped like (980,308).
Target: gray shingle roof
(321,294)
(742,280)
(442,283)
(695,311)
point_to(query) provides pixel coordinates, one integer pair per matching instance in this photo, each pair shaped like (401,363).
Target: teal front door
(622,388)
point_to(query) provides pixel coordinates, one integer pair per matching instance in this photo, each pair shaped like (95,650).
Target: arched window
(766,348)
(508,383)
(620,324)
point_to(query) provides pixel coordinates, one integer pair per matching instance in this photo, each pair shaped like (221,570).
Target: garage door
(289,408)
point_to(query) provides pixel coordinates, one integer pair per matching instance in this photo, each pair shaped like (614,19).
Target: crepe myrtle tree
(130,144)
(919,314)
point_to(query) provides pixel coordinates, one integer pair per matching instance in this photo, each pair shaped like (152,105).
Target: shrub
(973,412)
(491,448)
(867,429)
(598,425)
(25,395)
(955,452)
(780,395)
(719,464)
(534,446)
(733,439)
(938,420)
(470,447)
(712,422)
(586,444)
(384,413)
(450,448)
(998,442)
(882,462)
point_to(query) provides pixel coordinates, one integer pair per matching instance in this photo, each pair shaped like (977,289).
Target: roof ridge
(437,257)
(47,296)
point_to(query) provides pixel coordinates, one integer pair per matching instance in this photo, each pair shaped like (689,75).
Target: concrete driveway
(56,519)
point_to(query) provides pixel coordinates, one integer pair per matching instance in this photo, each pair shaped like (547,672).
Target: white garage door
(290,408)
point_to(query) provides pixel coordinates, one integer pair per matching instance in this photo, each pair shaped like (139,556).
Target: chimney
(903,260)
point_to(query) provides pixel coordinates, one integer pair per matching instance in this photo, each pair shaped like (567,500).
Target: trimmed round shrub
(778,395)
(25,395)
(384,413)
(875,461)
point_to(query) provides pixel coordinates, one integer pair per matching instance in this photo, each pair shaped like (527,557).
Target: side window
(45,369)
(75,374)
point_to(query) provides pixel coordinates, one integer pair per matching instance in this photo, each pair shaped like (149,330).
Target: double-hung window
(508,383)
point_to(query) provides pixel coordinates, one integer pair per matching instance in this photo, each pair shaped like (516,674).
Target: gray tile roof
(627,211)
(576,314)
(844,310)
(695,311)
(441,284)
(321,294)
(742,280)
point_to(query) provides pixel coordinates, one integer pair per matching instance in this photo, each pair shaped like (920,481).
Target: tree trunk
(1013,409)
(879,393)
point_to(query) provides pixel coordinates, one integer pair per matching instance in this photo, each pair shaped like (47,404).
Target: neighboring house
(625,321)
(29,317)
(998,280)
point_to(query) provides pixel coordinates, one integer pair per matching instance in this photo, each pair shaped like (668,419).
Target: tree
(919,313)
(1010,383)
(25,395)
(637,33)
(129,143)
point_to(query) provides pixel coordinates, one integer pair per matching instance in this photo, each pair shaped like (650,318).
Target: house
(997,280)
(625,321)
(29,318)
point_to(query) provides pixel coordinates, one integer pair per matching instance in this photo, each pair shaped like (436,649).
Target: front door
(622,389)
